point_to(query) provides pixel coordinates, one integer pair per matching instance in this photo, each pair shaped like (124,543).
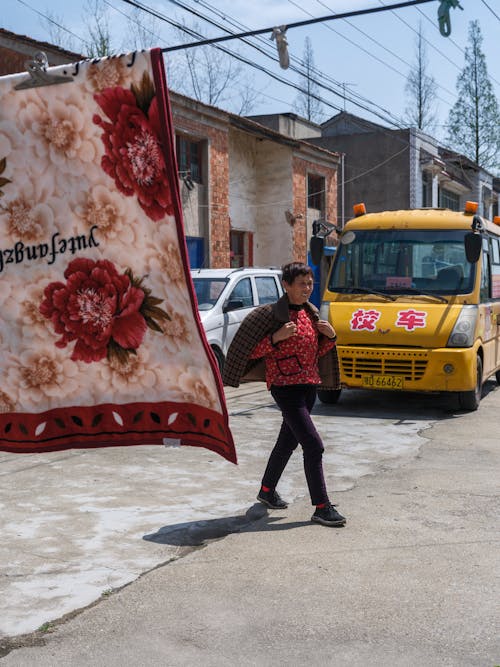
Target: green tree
(474,120)
(421,91)
(306,103)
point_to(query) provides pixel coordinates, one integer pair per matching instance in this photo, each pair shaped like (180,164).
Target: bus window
(485,289)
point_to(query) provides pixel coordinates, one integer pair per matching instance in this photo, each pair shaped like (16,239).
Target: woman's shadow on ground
(199,533)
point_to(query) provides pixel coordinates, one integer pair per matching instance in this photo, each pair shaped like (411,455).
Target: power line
(194,33)
(360,121)
(322,75)
(491,10)
(371,55)
(261,68)
(388,131)
(133,20)
(297,24)
(448,38)
(425,40)
(47,18)
(157,37)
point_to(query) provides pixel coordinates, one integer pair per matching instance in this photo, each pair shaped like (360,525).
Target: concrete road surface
(411,580)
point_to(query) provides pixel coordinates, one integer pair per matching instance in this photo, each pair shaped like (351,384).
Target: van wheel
(469,400)
(329,396)
(497,375)
(219,358)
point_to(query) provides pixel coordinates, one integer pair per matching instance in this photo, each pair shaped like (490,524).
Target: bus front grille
(411,366)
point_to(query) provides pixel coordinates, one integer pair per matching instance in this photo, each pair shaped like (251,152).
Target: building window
(189,155)
(316,192)
(241,247)
(448,199)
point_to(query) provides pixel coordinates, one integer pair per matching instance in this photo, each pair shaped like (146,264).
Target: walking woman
(288,345)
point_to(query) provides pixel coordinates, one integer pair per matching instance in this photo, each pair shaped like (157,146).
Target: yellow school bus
(415,299)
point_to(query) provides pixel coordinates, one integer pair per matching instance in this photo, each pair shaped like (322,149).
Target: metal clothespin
(279,34)
(38,75)
(444,15)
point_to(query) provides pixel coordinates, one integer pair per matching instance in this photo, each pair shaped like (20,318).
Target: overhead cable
(322,77)
(297,24)
(369,53)
(491,10)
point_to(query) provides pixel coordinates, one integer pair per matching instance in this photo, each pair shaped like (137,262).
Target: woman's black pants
(296,403)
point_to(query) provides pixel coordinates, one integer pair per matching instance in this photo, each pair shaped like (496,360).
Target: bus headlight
(464,329)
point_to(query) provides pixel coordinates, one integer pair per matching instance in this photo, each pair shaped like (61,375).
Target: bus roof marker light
(496,219)
(359,209)
(471,207)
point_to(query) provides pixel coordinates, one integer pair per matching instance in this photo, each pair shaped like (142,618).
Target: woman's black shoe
(272,500)
(328,516)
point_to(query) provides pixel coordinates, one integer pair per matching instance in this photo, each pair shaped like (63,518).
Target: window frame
(318,196)
(189,153)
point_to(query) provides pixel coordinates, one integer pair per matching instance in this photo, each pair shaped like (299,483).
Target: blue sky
(371,55)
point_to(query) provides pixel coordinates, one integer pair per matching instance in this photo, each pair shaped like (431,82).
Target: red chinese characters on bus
(411,319)
(364,319)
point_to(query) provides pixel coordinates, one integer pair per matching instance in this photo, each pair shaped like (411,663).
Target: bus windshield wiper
(365,290)
(417,290)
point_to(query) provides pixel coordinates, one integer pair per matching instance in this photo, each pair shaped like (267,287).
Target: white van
(226,296)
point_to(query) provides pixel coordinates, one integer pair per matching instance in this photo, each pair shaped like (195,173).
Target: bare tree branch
(421,91)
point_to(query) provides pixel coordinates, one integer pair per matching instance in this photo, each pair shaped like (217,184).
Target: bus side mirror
(316,246)
(472,244)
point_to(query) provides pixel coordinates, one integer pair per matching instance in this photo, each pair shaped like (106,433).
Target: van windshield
(207,291)
(403,261)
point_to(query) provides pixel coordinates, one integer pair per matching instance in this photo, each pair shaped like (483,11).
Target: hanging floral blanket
(100,340)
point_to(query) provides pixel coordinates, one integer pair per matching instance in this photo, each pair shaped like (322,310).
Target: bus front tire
(329,396)
(469,400)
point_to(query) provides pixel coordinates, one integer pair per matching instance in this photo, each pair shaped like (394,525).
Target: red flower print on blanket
(105,312)
(134,155)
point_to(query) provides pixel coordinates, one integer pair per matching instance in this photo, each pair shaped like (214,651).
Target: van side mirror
(472,243)
(316,246)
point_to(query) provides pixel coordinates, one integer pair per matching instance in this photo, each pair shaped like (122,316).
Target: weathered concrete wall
(195,209)
(376,169)
(260,191)
(243,186)
(274,241)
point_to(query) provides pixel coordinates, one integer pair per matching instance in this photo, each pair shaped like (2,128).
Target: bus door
(490,298)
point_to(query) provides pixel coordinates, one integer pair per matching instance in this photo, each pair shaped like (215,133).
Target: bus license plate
(383,381)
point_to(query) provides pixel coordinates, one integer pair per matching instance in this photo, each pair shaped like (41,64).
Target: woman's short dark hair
(292,270)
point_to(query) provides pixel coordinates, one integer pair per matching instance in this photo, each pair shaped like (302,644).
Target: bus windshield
(402,261)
